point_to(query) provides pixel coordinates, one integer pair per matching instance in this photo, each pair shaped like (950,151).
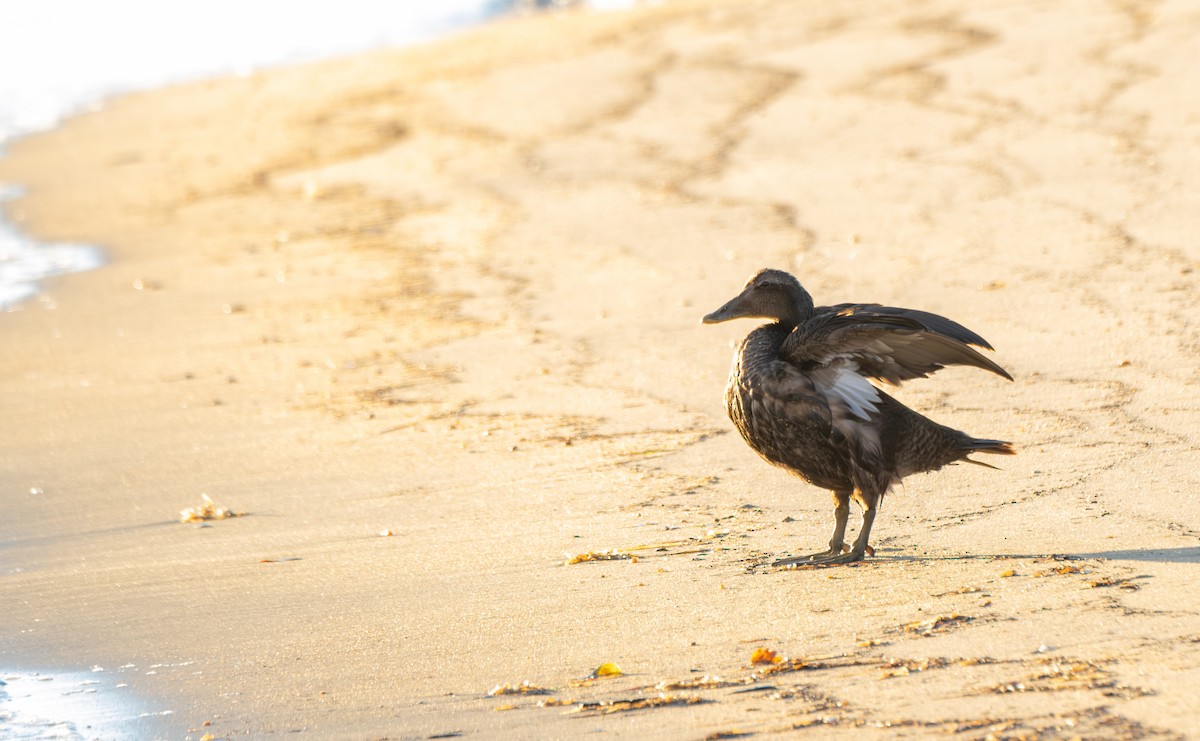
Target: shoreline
(49,260)
(430,319)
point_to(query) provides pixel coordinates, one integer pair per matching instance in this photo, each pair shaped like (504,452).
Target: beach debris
(903,667)
(609,555)
(1007,573)
(1064,569)
(786,665)
(756,688)
(386,533)
(700,683)
(524,688)
(1059,675)
(752,681)
(207,510)
(935,625)
(607,707)
(554,702)
(607,669)
(763,655)
(960,590)
(871,642)
(1112,581)
(142,284)
(282,559)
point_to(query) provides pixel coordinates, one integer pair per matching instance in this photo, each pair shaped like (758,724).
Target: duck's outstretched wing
(883,342)
(930,322)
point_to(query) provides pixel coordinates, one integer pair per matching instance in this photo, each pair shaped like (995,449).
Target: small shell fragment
(524,688)
(207,510)
(610,555)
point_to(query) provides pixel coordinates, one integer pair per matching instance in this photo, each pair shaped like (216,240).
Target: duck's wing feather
(836,398)
(784,392)
(883,342)
(935,323)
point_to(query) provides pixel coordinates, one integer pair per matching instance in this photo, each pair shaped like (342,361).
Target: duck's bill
(732,310)
(720,315)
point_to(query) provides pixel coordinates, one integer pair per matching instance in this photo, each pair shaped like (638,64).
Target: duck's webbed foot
(860,549)
(837,544)
(850,555)
(810,558)
(869,551)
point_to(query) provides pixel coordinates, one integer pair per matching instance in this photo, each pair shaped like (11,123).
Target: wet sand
(453,293)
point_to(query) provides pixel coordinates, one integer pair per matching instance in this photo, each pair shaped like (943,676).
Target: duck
(804,393)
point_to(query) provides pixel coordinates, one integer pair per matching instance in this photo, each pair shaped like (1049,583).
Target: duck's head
(770,294)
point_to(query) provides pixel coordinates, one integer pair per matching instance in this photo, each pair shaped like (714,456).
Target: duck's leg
(841,513)
(860,547)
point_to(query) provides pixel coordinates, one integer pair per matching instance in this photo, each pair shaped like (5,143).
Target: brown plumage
(799,395)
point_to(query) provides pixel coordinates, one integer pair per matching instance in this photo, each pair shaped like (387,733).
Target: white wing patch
(856,392)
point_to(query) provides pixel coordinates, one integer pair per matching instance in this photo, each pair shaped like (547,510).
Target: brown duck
(799,395)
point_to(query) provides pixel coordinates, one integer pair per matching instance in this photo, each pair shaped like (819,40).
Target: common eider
(800,396)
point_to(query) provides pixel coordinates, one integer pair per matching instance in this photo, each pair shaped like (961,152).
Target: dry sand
(454,293)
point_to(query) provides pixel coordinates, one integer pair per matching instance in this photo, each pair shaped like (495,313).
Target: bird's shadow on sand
(1160,555)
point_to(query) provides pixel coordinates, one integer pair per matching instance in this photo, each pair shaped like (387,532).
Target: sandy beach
(429,319)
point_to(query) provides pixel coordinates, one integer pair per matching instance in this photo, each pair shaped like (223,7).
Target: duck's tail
(993,447)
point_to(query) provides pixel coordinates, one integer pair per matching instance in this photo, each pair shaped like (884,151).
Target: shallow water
(71,53)
(73,706)
(23,262)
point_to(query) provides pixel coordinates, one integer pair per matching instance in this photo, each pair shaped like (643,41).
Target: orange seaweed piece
(764,655)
